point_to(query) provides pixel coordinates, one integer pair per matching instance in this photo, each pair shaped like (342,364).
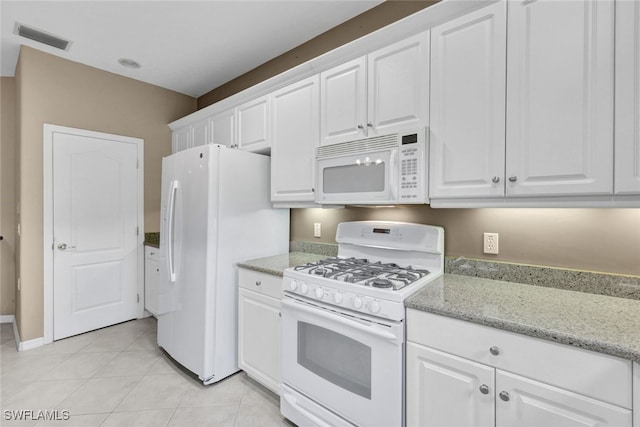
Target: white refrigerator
(215,212)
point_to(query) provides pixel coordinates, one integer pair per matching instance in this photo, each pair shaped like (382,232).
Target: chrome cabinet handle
(484,389)
(504,396)
(360,127)
(513,178)
(494,350)
(258,283)
(495,179)
(370,124)
(64,247)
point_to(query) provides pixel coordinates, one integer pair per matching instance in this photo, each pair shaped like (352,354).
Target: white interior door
(95,232)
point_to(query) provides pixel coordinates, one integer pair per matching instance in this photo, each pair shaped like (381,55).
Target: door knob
(484,389)
(504,396)
(64,247)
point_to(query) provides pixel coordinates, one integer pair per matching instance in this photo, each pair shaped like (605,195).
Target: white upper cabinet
(223,128)
(467,123)
(560,98)
(296,121)
(200,133)
(181,139)
(398,86)
(343,102)
(627,127)
(380,93)
(254,124)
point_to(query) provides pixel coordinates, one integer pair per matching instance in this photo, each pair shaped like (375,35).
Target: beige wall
(7,194)
(604,240)
(57,91)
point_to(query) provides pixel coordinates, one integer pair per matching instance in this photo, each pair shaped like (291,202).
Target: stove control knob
(319,293)
(338,298)
(304,288)
(357,303)
(374,307)
(293,285)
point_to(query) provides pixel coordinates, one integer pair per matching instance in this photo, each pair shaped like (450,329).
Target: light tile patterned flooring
(117,376)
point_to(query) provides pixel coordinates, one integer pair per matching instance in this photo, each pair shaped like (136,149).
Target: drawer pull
(504,396)
(258,283)
(494,350)
(484,389)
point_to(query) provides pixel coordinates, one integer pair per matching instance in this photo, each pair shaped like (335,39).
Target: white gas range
(343,324)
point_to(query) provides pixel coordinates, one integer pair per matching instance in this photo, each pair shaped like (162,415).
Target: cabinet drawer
(264,283)
(592,374)
(152,253)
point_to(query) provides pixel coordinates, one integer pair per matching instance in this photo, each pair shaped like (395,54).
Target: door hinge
(137,231)
(137,163)
(138,296)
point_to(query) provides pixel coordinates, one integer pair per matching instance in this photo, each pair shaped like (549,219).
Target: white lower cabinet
(464,374)
(525,402)
(446,390)
(636,394)
(151,278)
(259,327)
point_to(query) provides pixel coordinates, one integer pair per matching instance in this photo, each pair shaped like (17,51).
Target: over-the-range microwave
(382,170)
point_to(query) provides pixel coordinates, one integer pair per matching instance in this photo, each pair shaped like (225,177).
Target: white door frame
(49,131)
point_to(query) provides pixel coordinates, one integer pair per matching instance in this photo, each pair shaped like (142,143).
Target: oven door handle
(337,318)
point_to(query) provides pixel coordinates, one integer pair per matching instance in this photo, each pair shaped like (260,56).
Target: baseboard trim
(7,318)
(26,345)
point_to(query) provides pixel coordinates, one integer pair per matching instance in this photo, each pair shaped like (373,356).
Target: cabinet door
(398,86)
(181,139)
(296,123)
(527,403)
(627,133)
(200,132)
(343,114)
(223,129)
(151,280)
(467,135)
(254,125)
(446,390)
(636,394)
(560,97)
(259,337)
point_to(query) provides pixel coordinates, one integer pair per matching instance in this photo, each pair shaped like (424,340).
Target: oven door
(349,365)
(370,177)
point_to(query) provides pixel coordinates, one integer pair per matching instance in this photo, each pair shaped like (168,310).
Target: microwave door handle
(394,179)
(321,313)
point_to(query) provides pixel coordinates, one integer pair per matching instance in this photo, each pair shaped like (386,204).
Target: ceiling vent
(41,37)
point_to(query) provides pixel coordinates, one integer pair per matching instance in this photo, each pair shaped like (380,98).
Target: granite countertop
(152,239)
(599,323)
(278,263)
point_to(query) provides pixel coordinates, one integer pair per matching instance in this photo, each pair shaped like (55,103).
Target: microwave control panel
(412,169)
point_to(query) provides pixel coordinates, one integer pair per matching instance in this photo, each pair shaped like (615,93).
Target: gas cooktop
(361,271)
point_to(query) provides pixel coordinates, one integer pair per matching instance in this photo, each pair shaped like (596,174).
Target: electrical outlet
(317,229)
(490,243)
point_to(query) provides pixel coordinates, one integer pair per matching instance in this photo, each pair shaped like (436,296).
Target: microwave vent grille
(376,143)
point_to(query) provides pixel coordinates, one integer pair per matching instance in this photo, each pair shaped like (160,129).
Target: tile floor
(118,376)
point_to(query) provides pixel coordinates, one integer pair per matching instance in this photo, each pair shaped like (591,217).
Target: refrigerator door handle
(171,230)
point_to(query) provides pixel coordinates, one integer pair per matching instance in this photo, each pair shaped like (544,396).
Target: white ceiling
(190,47)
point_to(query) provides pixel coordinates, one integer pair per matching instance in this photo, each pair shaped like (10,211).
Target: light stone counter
(599,323)
(278,263)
